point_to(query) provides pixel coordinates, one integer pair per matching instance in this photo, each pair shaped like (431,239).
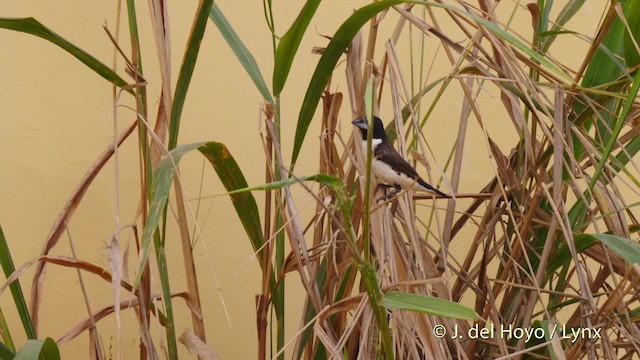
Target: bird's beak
(361,122)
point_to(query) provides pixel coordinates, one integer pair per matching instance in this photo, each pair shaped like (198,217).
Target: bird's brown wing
(389,155)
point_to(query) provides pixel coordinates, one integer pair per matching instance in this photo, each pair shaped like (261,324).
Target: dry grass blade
(65,216)
(108,310)
(116,265)
(197,346)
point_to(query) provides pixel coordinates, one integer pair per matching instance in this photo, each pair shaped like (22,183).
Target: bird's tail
(431,188)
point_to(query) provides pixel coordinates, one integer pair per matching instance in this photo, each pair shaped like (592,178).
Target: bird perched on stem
(391,169)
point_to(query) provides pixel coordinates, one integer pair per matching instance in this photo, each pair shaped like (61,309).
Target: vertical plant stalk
(268,280)
(278,300)
(116,263)
(184,79)
(367,269)
(143,292)
(96,349)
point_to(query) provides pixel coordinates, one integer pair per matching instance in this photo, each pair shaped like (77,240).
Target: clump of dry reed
(545,245)
(541,260)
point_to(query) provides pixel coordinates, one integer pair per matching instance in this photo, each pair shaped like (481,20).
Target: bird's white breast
(374,144)
(385,173)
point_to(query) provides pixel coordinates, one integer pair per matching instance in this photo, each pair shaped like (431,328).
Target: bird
(388,166)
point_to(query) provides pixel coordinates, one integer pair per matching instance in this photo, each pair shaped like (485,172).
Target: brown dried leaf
(195,346)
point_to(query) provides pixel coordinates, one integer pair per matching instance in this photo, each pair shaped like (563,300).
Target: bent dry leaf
(288,46)
(34,27)
(394,300)
(162,180)
(196,346)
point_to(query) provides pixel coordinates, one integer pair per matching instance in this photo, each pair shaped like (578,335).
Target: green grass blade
(563,255)
(5,335)
(324,179)
(6,353)
(406,110)
(162,180)
(343,37)
(39,349)
(394,300)
(617,128)
(506,36)
(16,291)
(627,249)
(339,42)
(270,186)
(233,179)
(623,157)
(547,5)
(163,269)
(569,10)
(632,15)
(370,281)
(605,67)
(186,70)
(288,46)
(242,53)
(34,27)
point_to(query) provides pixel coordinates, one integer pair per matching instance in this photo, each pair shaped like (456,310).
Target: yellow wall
(56,117)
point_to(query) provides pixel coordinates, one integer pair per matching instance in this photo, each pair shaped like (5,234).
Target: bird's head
(378,127)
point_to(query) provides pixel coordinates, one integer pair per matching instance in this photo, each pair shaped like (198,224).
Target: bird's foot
(386,196)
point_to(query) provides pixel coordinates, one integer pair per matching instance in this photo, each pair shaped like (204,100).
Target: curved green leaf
(162,179)
(338,44)
(394,300)
(330,181)
(631,12)
(8,268)
(288,46)
(39,349)
(627,249)
(34,27)
(620,121)
(569,10)
(242,53)
(563,255)
(6,352)
(186,70)
(343,37)
(233,179)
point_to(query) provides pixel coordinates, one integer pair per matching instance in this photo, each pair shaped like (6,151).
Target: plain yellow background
(56,116)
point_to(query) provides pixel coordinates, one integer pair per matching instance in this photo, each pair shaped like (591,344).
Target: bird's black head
(378,127)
